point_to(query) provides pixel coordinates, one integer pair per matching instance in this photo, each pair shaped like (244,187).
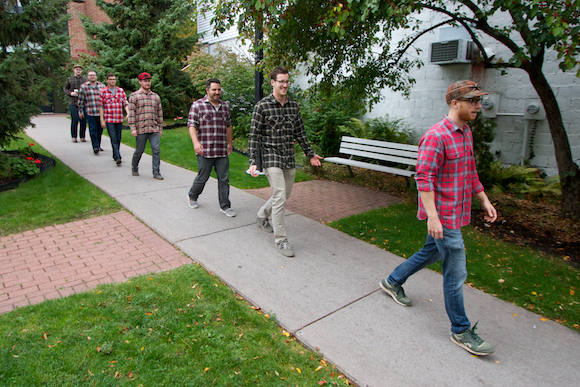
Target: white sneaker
(192,203)
(228,211)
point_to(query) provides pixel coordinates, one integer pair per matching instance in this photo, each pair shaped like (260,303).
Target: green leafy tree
(235,73)
(33,49)
(154,36)
(350,44)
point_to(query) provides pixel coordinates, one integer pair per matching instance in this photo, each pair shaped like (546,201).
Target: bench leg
(350,171)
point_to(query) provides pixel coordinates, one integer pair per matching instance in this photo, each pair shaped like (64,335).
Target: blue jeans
(114,129)
(74,122)
(95,130)
(140,142)
(451,250)
(222,170)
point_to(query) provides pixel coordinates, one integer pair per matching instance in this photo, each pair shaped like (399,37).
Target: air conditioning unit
(452,51)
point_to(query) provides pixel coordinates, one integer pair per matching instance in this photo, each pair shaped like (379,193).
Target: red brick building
(78,38)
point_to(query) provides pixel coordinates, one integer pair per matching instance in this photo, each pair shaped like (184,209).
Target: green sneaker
(396,292)
(471,342)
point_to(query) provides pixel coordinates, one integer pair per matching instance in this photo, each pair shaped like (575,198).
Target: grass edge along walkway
(179,327)
(516,274)
(81,338)
(57,196)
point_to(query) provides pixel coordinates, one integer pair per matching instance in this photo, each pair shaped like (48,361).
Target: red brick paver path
(326,201)
(60,260)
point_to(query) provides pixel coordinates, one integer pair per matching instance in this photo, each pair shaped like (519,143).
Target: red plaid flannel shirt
(113,104)
(446,165)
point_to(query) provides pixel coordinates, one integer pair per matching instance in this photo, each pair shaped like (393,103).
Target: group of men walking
(104,107)
(446,175)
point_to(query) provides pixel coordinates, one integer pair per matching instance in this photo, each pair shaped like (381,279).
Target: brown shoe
(83,140)
(74,140)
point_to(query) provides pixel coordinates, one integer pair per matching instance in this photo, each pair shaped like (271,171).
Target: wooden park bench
(399,157)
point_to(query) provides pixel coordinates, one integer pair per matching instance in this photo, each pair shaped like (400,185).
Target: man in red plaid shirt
(446,179)
(210,128)
(113,100)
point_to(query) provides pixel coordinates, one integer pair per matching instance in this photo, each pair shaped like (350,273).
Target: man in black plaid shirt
(276,124)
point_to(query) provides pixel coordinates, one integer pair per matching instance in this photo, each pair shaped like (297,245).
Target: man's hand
(490,211)
(73,94)
(134,132)
(81,115)
(315,161)
(254,170)
(434,227)
(103,124)
(198,148)
(230,149)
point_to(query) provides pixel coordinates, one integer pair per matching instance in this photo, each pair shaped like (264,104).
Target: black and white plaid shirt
(275,128)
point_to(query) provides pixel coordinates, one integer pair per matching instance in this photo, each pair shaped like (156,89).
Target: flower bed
(42,162)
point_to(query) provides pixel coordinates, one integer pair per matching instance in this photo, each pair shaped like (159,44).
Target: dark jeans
(74,122)
(140,142)
(95,130)
(222,170)
(114,129)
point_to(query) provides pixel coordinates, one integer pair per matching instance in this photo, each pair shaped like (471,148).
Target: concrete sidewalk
(328,296)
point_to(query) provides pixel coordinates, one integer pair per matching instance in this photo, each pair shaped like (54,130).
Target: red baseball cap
(144,76)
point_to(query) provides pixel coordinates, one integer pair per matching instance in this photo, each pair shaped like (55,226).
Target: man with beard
(210,128)
(71,89)
(446,180)
(145,119)
(113,101)
(89,100)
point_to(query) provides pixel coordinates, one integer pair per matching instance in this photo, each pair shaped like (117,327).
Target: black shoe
(100,149)
(135,172)
(96,151)
(118,162)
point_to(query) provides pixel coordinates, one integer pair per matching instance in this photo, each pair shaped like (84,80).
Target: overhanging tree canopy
(350,44)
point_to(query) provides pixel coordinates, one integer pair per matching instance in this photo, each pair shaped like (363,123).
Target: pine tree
(33,49)
(152,36)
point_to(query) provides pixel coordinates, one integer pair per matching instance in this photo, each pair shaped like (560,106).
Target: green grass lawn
(57,196)
(183,327)
(178,328)
(513,273)
(177,149)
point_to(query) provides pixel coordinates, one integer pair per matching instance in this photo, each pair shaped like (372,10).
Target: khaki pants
(281,182)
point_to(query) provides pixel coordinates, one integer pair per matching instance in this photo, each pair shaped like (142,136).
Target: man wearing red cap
(446,180)
(146,122)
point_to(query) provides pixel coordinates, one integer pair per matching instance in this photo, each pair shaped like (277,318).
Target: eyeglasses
(473,101)
(283,82)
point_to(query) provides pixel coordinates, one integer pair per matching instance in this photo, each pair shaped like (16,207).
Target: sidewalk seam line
(336,310)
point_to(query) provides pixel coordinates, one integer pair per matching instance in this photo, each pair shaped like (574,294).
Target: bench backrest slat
(347,148)
(379,156)
(380,144)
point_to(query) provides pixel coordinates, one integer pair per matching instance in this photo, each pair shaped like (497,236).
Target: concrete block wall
(78,38)
(426,104)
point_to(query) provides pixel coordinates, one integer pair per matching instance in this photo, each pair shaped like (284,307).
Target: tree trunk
(568,170)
